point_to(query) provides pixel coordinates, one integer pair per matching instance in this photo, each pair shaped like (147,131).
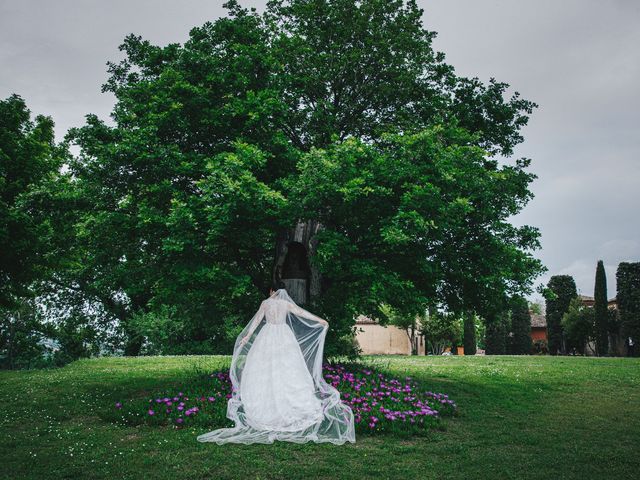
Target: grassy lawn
(519,417)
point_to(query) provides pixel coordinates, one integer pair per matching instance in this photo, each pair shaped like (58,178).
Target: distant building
(538,326)
(376,339)
(588,301)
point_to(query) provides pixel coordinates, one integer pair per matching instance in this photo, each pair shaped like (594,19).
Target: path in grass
(519,417)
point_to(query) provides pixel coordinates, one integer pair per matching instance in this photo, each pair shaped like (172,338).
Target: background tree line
(572,325)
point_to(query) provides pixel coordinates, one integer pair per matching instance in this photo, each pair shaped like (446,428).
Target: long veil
(336,425)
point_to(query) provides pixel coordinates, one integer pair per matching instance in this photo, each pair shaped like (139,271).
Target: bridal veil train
(278,391)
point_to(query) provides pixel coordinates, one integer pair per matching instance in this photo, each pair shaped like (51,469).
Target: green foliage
(536,308)
(398,219)
(76,338)
(29,161)
(601,330)
(628,299)
(36,336)
(22,332)
(160,330)
(578,325)
(560,290)
(362,69)
(497,333)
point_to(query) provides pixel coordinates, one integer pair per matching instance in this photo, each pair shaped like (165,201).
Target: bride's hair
(275,286)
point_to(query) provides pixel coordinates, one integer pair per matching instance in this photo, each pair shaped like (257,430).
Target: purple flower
(118,405)
(151,412)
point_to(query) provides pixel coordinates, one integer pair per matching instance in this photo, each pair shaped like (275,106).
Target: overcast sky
(578,59)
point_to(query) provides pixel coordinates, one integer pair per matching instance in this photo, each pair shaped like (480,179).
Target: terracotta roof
(538,321)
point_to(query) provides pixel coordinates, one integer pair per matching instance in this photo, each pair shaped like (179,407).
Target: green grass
(519,417)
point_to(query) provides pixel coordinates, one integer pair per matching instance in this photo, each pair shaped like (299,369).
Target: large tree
(628,299)
(325,139)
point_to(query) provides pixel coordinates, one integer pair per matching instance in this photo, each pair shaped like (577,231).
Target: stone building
(374,338)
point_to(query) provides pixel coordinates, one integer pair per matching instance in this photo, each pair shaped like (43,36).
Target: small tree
(440,329)
(578,324)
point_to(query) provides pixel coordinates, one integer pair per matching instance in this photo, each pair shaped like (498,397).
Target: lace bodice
(275,310)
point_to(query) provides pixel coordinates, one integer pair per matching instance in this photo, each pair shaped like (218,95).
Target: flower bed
(379,402)
(383,403)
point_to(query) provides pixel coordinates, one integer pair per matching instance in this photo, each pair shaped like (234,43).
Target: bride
(278,391)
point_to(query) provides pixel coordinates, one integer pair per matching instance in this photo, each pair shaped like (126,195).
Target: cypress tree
(560,290)
(469,334)
(601,330)
(628,299)
(521,343)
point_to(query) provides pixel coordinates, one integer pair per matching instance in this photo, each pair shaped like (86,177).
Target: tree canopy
(336,111)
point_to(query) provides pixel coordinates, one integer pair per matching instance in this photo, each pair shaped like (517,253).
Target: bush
(540,347)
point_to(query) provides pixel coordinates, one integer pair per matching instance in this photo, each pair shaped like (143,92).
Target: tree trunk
(469,334)
(294,248)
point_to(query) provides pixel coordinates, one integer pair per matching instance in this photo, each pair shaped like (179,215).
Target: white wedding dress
(278,391)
